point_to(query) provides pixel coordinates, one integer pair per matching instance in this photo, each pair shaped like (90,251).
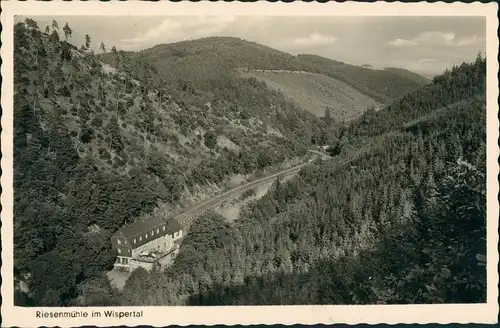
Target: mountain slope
(204,62)
(401,220)
(409,75)
(382,85)
(459,84)
(98,146)
(315,92)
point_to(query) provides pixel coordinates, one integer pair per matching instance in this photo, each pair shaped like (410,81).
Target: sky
(425,44)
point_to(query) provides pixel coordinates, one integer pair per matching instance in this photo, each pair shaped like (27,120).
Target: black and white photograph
(203,160)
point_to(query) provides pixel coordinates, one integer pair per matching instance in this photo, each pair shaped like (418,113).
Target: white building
(146,242)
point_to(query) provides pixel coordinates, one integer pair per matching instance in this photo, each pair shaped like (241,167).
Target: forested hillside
(97,146)
(408,74)
(382,85)
(210,64)
(401,220)
(461,83)
(397,216)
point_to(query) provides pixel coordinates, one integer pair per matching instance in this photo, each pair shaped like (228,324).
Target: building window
(158,230)
(152,232)
(140,238)
(163,227)
(119,241)
(134,240)
(119,250)
(146,235)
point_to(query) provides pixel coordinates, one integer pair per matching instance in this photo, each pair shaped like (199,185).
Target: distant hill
(205,62)
(382,85)
(232,52)
(468,78)
(409,75)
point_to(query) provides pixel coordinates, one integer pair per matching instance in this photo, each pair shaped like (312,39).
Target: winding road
(187,217)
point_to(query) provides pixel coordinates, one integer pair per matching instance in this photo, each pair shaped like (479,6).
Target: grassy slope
(382,85)
(314,92)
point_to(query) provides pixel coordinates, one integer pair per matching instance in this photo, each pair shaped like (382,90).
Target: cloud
(427,60)
(402,43)
(165,26)
(178,28)
(301,43)
(469,41)
(427,66)
(436,38)
(314,39)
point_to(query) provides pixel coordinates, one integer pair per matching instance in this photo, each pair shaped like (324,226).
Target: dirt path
(190,214)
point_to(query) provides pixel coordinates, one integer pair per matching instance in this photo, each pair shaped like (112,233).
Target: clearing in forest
(314,92)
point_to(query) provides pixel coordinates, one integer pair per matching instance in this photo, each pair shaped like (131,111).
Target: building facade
(146,242)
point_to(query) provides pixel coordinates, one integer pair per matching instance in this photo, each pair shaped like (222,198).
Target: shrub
(96,122)
(87,135)
(121,108)
(210,139)
(248,193)
(64,91)
(120,162)
(104,154)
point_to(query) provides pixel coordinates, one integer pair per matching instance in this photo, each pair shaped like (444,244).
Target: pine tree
(67,31)
(114,52)
(31,24)
(328,116)
(87,41)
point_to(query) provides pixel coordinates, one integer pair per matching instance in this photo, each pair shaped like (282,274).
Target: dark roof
(140,226)
(143,226)
(173,225)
